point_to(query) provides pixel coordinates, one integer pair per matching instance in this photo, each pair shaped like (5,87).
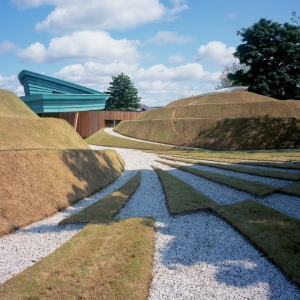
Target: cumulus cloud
(178,6)
(11,83)
(95,75)
(217,52)
(176,58)
(190,71)
(159,93)
(101,14)
(7,46)
(166,37)
(97,45)
(157,85)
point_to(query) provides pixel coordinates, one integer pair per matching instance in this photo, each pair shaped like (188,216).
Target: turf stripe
(248,186)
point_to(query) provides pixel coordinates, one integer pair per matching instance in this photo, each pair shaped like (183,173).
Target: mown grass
(293,188)
(104,261)
(240,169)
(287,159)
(38,134)
(11,106)
(230,121)
(235,97)
(22,129)
(159,131)
(270,158)
(274,233)
(290,164)
(275,108)
(176,190)
(37,184)
(105,209)
(252,187)
(102,138)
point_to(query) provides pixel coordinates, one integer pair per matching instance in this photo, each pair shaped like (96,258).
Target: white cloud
(232,16)
(7,46)
(178,6)
(94,75)
(166,37)
(190,71)
(97,45)
(217,52)
(157,85)
(159,93)
(102,14)
(176,58)
(12,84)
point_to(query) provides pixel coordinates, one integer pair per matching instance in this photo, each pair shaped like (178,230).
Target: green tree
(224,80)
(123,94)
(295,19)
(272,51)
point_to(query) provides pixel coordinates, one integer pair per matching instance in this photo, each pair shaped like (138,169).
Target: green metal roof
(45,94)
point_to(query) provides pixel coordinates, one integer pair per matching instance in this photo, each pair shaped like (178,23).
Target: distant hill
(45,165)
(223,121)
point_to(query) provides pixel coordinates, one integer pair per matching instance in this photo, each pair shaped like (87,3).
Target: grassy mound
(224,121)
(161,131)
(22,129)
(234,97)
(12,107)
(37,184)
(38,134)
(51,169)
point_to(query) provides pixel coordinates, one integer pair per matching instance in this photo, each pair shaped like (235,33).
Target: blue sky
(170,48)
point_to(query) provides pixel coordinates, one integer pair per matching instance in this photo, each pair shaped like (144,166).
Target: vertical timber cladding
(90,122)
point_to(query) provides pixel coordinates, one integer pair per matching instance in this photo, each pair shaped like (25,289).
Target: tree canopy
(272,51)
(123,94)
(224,80)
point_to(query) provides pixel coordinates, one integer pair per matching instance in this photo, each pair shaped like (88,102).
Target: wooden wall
(90,122)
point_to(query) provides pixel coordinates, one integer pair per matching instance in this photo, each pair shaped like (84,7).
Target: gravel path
(197,256)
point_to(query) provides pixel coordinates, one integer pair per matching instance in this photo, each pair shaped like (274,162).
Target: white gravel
(197,256)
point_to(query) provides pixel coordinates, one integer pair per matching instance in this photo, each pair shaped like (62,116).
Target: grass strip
(293,188)
(102,138)
(241,169)
(176,190)
(274,233)
(252,187)
(280,165)
(287,158)
(103,261)
(105,209)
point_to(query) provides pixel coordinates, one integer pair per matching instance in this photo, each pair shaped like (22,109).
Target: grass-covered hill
(45,165)
(224,121)
(22,129)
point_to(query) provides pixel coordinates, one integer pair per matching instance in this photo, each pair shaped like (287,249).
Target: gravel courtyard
(197,256)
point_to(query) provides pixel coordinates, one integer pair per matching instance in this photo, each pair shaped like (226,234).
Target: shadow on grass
(251,133)
(94,169)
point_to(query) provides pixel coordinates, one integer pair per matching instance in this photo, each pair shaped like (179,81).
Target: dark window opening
(112,123)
